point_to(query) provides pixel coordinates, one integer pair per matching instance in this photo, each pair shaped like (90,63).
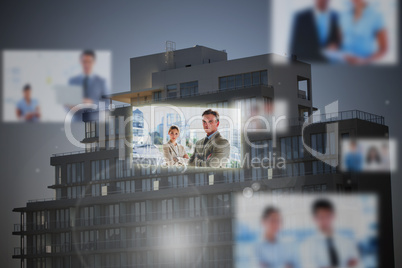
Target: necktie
(206,140)
(333,255)
(85,86)
(322,28)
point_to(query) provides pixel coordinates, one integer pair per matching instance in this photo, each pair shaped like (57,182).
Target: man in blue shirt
(353,158)
(28,108)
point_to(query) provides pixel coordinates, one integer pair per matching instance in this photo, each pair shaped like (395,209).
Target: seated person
(213,150)
(174,154)
(28,108)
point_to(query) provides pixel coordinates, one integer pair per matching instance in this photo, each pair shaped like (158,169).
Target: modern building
(111,211)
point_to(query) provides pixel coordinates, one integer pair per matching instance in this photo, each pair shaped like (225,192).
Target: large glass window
(90,129)
(223,83)
(256,78)
(222,104)
(231,82)
(264,77)
(189,89)
(75,172)
(157,96)
(58,175)
(100,170)
(239,81)
(292,147)
(319,143)
(243,80)
(314,188)
(247,79)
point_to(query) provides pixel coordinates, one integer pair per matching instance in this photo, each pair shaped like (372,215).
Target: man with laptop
(87,88)
(93,86)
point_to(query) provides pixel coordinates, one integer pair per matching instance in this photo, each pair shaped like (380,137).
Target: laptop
(68,95)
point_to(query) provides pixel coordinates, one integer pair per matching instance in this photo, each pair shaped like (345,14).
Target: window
(119,168)
(264,77)
(75,172)
(223,83)
(246,106)
(222,104)
(137,211)
(243,80)
(314,188)
(231,82)
(146,185)
(58,175)
(167,209)
(62,218)
(303,86)
(239,81)
(90,129)
(262,150)
(256,78)
(247,80)
(189,89)
(292,147)
(171,91)
(268,107)
(100,170)
(321,167)
(200,179)
(194,207)
(283,191)
(116,120)
(157,96)
(112,213)
(319,143)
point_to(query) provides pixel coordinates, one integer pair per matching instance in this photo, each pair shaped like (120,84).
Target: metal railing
(302,96)
(84,151)
(41,200)
(338,116)
(196,95)
(118,242)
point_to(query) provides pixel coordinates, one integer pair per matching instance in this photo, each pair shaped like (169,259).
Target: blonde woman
(174,153)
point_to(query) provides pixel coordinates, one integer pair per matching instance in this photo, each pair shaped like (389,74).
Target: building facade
(110,210)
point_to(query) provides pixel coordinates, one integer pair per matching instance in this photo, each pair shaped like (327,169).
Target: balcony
(338,116)
(210,92)
(97,149)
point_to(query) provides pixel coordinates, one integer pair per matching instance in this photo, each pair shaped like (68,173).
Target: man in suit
(213,150)
(93,86)
(315,29)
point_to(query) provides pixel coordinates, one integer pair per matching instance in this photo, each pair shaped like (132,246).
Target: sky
(135,28)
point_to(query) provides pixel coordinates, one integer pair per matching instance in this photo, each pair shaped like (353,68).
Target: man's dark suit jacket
(305,43)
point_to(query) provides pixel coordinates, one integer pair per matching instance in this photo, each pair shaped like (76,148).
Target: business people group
(211,151)
(324,249)
(358,34)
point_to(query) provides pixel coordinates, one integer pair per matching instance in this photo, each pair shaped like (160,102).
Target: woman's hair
(373,155)
(174,127)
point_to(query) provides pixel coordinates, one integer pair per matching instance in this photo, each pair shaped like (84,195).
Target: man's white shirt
(315,254)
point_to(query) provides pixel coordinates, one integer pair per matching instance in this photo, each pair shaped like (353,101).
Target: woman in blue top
(364,37)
